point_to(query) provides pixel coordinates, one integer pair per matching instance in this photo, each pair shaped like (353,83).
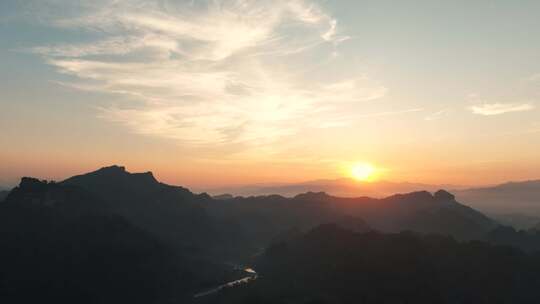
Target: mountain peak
(120,172)
(443,195)
(113,169)
(313,196)
(413,196)
(114,177)
(32,184)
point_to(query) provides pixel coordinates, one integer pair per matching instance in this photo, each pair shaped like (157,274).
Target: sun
(363,172)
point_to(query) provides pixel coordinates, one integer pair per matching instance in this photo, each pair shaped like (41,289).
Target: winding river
(252,276)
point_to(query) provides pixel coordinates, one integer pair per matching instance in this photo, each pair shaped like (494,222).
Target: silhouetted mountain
(62,244)
(333,265)
(222,197)
(508,198)
(231,227)
(3,195)
(266,218)
(536,227)
(66,200)
(172,213)
(418,211)
(344,187)
(162,232)
(527,240)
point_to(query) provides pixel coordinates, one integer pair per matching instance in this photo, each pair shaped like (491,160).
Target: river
(245,280)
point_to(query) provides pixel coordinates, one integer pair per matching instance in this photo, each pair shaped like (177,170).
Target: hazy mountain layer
(418,211)
(344,187)
(510,198)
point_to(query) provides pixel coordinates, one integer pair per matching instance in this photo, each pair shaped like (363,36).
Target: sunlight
(363,172)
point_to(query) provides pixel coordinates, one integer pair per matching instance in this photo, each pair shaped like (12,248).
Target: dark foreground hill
(334,265)
(3,194)
(61,244)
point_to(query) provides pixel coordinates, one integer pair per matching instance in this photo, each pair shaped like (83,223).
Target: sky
(218,92)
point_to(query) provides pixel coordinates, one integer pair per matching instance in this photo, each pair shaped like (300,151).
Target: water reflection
(252,277)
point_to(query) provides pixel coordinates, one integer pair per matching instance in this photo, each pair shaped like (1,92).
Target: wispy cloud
(489,109)
(437,115)
(209,72)
(534,78)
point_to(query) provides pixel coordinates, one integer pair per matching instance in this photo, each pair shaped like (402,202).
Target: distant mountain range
(173,212)
(418,211)
(167,236)
(508,198)
(520,221)
(344,187)
(516,203)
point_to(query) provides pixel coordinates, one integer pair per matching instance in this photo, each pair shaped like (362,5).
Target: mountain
(222,197)
(512,203)
(508,198)
(417,211)
(536,227)
(517,220)
(172,213)
(3,195)
(231,227)
(66,200)
(62,244)
(111,228)
(333,265)
(344,187)
(527,240)
(265,219)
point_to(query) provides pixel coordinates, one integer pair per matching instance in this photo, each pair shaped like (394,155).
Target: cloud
(209,72)
(534,78)
(489,109)
(437,115)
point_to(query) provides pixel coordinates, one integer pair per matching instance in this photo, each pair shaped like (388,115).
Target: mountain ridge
(344,187)
(60,242)
(521,197)
(172,211)
(207,234)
